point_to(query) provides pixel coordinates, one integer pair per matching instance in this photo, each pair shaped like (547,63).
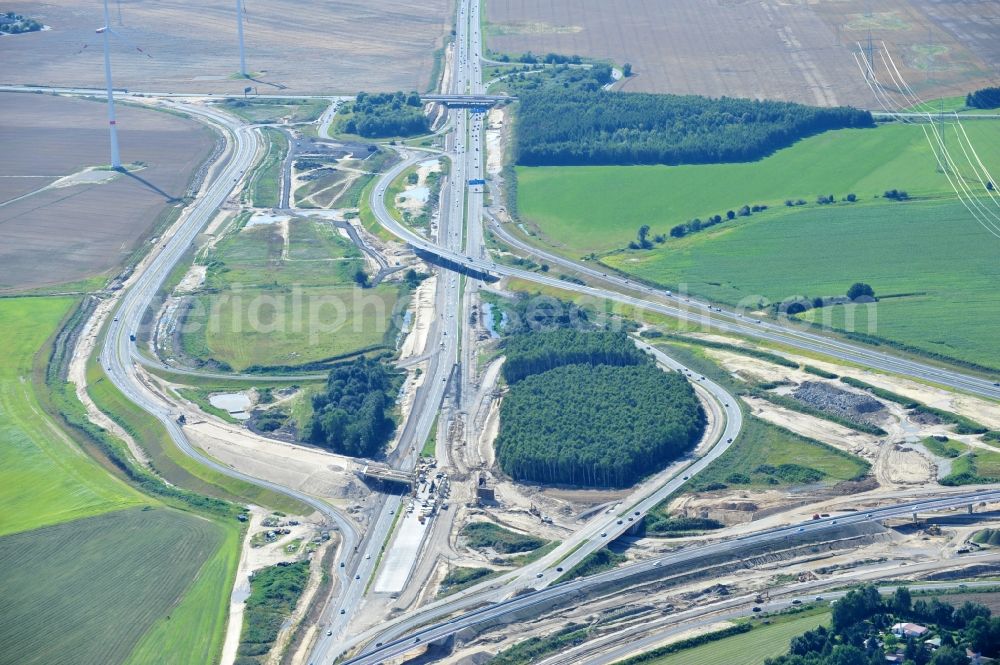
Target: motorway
(619,645)
(460,241)
(709,316)
(116,355)
(443,342)
(393,647)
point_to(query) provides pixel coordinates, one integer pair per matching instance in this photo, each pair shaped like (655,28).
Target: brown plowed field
(797,50)
(70,233)
(337,46)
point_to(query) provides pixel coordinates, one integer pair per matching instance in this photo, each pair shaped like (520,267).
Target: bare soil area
(777,49)
(92,226)
(337,46)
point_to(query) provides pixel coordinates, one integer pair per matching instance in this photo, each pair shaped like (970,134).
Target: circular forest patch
(597,426)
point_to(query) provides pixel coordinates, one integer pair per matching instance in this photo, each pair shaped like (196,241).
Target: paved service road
(116,355)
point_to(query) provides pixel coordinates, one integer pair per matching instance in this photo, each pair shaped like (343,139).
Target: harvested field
(292,46)
(776,49)
(90,227)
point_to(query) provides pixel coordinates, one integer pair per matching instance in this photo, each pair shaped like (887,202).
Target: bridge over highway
(465,101)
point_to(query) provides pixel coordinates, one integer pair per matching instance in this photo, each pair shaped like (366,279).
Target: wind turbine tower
(116,160)
(239,31)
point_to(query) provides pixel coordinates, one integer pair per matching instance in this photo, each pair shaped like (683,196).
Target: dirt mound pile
(852,406)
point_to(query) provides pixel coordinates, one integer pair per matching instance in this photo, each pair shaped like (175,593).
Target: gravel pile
(856,408)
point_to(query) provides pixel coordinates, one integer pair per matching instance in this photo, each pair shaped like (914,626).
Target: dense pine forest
(385,114)
(532,353)
(596,426)
(986,98)
(351,417)
(566,118)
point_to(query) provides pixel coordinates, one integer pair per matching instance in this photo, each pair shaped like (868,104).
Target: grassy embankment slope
(264,188)
(277,302)
(84,554)
(929,249)
(44,478)
(749,648)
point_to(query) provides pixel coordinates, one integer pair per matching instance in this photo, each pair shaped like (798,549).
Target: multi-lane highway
(459,241)
(116,354)
(442,341)
(711,317)
(395,642)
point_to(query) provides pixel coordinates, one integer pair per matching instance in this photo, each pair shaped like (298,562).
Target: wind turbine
(239,30)
(106,31)
(116,159)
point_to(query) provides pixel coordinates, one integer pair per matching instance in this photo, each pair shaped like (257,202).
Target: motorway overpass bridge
(455,266)
(468,101)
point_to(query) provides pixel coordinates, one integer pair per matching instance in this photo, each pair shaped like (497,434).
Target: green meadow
(44,478)
(934,269)
(81,552)
(273,298)
(751,648)
(584,209)
(932,265)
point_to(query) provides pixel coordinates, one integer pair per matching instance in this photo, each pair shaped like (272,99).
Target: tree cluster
(859,632)
(15,24)
(596,426)
(570,120)
(698,224)
(274,593)
(379,115)
(860,290)
(987,98)
(896,195)
(529,354)
(351,415)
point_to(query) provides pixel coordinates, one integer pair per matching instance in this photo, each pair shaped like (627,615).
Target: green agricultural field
(88,591)
(584,209)
(749,648)
(44,478)
(932,266)
(287,298)
(194,630)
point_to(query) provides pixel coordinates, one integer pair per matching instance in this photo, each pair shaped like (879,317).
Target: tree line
(596,425)
(351,416)
(529,354)
(568,119)
(860,632)
(986,98)
(379,115)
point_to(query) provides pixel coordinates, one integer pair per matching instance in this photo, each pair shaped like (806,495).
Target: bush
(859,290)
(481,535)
